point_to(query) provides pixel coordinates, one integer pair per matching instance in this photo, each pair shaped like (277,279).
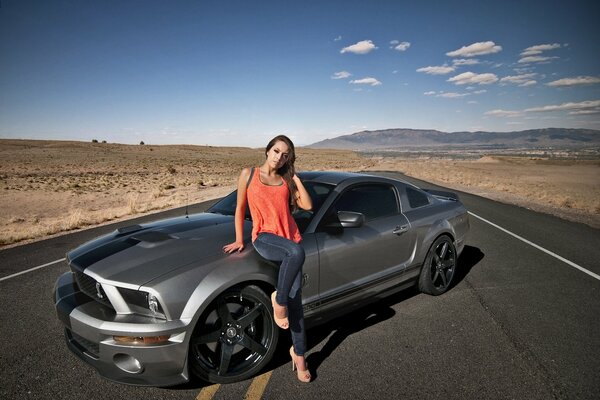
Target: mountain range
(388,139)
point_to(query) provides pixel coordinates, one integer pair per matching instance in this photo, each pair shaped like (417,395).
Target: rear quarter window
(416,198)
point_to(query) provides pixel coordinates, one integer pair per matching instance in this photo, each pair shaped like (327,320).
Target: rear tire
(439,267)
(235,336)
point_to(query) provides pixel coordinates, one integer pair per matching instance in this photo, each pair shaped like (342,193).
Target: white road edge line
(32,269)
(572,264)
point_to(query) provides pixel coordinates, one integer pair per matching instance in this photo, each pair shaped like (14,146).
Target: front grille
(83,344)
(90,287)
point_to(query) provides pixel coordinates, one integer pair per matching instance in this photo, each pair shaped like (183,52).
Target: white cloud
(579,80)
(538,49)
(523,70)
(583,105)
(585,112)
(396,45)
(472,102)
(341,75)
(528,83)
(521,80)
(532,59)
(476,49)
(465,61)
(451,95)
(517,78)
(504,113)
(439,70)
(337,39)
(473,78)
(581,108)
(362,47)
(480,91)
(366,81)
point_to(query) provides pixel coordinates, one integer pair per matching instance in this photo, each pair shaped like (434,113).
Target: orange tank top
(269,207)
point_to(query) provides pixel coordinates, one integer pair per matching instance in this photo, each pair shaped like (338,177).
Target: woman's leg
(296,316)
(289,285)
(291,255)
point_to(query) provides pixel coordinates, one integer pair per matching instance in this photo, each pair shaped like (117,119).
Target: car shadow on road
(374,313)
(469,258)
(339,329)
(342,329)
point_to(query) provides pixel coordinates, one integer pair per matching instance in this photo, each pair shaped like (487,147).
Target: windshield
(318,193)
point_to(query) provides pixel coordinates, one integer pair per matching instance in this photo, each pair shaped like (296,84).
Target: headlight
(153,303)
(142,303)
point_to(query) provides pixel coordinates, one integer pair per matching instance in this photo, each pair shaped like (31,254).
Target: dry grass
(51,187)
(567,188)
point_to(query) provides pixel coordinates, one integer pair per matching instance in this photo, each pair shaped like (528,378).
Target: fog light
(142,339)
(128,363)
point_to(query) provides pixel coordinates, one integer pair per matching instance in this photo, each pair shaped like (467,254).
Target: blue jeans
(289,285)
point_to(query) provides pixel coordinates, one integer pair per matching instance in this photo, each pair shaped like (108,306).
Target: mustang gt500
(152,304)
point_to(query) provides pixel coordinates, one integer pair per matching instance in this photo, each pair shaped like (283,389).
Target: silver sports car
(151,304)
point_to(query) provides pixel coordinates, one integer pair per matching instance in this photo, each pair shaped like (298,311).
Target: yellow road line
(258,386)
(208,392)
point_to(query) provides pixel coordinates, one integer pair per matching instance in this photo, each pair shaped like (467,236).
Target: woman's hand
(302,197)
(235,246)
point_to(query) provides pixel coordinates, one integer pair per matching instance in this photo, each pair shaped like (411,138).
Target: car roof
(331,177)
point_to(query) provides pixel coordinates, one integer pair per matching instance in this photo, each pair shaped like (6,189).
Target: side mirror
(350,219)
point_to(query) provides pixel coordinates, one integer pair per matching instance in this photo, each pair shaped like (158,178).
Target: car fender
(231,272)
(438,228)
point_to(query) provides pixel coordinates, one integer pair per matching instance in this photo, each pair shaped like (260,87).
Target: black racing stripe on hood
(151,235)
(93,256)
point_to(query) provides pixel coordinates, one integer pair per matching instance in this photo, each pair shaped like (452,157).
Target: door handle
(400,230)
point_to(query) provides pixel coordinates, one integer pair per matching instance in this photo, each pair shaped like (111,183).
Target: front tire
(235,336)
(439,267)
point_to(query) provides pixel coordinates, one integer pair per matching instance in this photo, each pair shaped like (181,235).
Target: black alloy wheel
(235,337)
(439,267)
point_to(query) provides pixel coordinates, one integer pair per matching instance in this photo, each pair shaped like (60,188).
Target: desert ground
(52,187)
(565,187)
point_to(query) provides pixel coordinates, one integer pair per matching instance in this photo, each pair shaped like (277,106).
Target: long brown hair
(287,170)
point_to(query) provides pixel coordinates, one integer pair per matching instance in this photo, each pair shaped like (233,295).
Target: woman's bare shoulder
(246,172)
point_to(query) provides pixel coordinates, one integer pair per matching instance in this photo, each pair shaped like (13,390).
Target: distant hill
(418,138)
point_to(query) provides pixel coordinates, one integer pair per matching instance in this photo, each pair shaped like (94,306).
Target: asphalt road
(519,323)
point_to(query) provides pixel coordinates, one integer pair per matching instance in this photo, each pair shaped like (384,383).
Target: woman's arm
(302,197)
(240,211)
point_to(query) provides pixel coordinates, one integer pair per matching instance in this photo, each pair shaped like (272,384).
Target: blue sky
(236,73)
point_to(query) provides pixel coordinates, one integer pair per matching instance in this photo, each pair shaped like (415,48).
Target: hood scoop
(128,229)
(151,238)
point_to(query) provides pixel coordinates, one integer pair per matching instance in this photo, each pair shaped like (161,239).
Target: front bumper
(89,330)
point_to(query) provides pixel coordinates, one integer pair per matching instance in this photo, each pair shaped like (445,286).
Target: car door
(351,259)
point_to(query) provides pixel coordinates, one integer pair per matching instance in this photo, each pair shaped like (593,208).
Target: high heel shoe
(281,322)
(303,375)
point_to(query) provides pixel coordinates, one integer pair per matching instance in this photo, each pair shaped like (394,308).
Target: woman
(271,190)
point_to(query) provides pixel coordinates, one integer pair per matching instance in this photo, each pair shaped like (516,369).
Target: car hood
(134,255)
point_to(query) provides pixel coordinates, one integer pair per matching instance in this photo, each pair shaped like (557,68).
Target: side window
(373,201)
(416,198)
